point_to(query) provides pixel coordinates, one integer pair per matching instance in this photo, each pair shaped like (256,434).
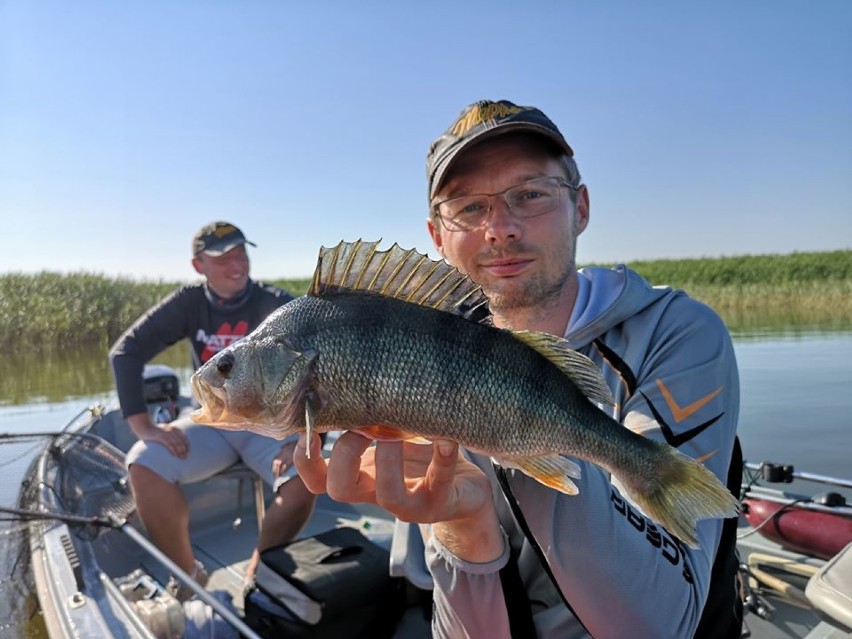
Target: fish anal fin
(551,470)
(576,366)
(398,273)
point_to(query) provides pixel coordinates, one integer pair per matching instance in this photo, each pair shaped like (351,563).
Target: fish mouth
(214,401)
(218,410)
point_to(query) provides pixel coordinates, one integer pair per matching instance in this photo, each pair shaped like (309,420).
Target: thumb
(446,449)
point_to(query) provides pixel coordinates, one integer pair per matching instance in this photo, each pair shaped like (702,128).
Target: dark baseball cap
(481,120)
(218,238)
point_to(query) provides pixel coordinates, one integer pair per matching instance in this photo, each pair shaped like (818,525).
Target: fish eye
(225,363)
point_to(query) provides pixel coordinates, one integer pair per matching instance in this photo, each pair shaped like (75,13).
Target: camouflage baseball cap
(481,120)
(218,238)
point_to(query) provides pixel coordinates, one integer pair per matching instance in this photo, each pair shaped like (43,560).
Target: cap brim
(216,251)
(508,127)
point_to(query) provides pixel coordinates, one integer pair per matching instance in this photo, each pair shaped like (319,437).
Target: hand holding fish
(417,483)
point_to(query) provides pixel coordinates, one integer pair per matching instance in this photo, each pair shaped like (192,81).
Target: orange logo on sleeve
(681,413)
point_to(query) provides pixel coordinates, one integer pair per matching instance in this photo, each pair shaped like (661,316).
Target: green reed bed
(766,270)
(793,293)
(53,310)
(795,307)
(763,293)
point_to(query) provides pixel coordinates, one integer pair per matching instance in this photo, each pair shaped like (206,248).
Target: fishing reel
(777,473)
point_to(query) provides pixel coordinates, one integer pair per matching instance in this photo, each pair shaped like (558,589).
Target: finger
(174,444)
(284,458)
(465,486)
(347,482)
(179,442)
(416,482)
(176,450)
(313,470)
(391,491)
(442,470)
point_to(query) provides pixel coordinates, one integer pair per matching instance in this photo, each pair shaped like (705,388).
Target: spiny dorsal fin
(402,274)
(579,368)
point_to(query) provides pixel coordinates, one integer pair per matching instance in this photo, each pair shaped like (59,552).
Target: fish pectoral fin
(551,470)
(576,366)
(201,415)
(384,433)
(310,418)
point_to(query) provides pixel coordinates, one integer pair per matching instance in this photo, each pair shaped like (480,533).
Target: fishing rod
(39,515)
(36,435)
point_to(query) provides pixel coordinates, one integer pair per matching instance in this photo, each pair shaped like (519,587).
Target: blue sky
(700,128)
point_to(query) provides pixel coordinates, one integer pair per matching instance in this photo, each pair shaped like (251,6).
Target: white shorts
(211,450)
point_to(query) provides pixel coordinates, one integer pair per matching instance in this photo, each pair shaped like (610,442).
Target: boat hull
(799,527)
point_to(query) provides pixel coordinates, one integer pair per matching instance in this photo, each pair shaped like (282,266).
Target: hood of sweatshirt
(605,298)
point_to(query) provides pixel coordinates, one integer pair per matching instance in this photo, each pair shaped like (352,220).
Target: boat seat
(830,589)
(240,472)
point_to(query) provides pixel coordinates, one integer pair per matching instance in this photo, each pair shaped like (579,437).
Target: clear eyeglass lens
(530,199)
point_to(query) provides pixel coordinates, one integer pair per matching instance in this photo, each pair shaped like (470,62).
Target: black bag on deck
(334,584)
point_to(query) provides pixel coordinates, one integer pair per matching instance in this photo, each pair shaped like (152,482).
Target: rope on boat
(772,516)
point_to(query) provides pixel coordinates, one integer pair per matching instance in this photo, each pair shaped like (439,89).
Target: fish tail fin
(679,492)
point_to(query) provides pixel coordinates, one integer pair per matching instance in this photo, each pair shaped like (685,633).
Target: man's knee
(294,493)
(133,454)
(143,479)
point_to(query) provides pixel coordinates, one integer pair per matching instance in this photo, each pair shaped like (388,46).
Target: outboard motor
(162,389)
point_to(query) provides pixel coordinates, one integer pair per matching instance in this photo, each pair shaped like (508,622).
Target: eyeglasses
(529,199)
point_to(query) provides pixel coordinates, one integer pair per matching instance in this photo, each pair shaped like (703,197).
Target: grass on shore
(798,292)
(50,310)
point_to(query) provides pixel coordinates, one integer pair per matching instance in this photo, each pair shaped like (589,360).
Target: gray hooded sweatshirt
(670,363)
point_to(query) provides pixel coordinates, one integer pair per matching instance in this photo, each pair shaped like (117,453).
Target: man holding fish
(393,347)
